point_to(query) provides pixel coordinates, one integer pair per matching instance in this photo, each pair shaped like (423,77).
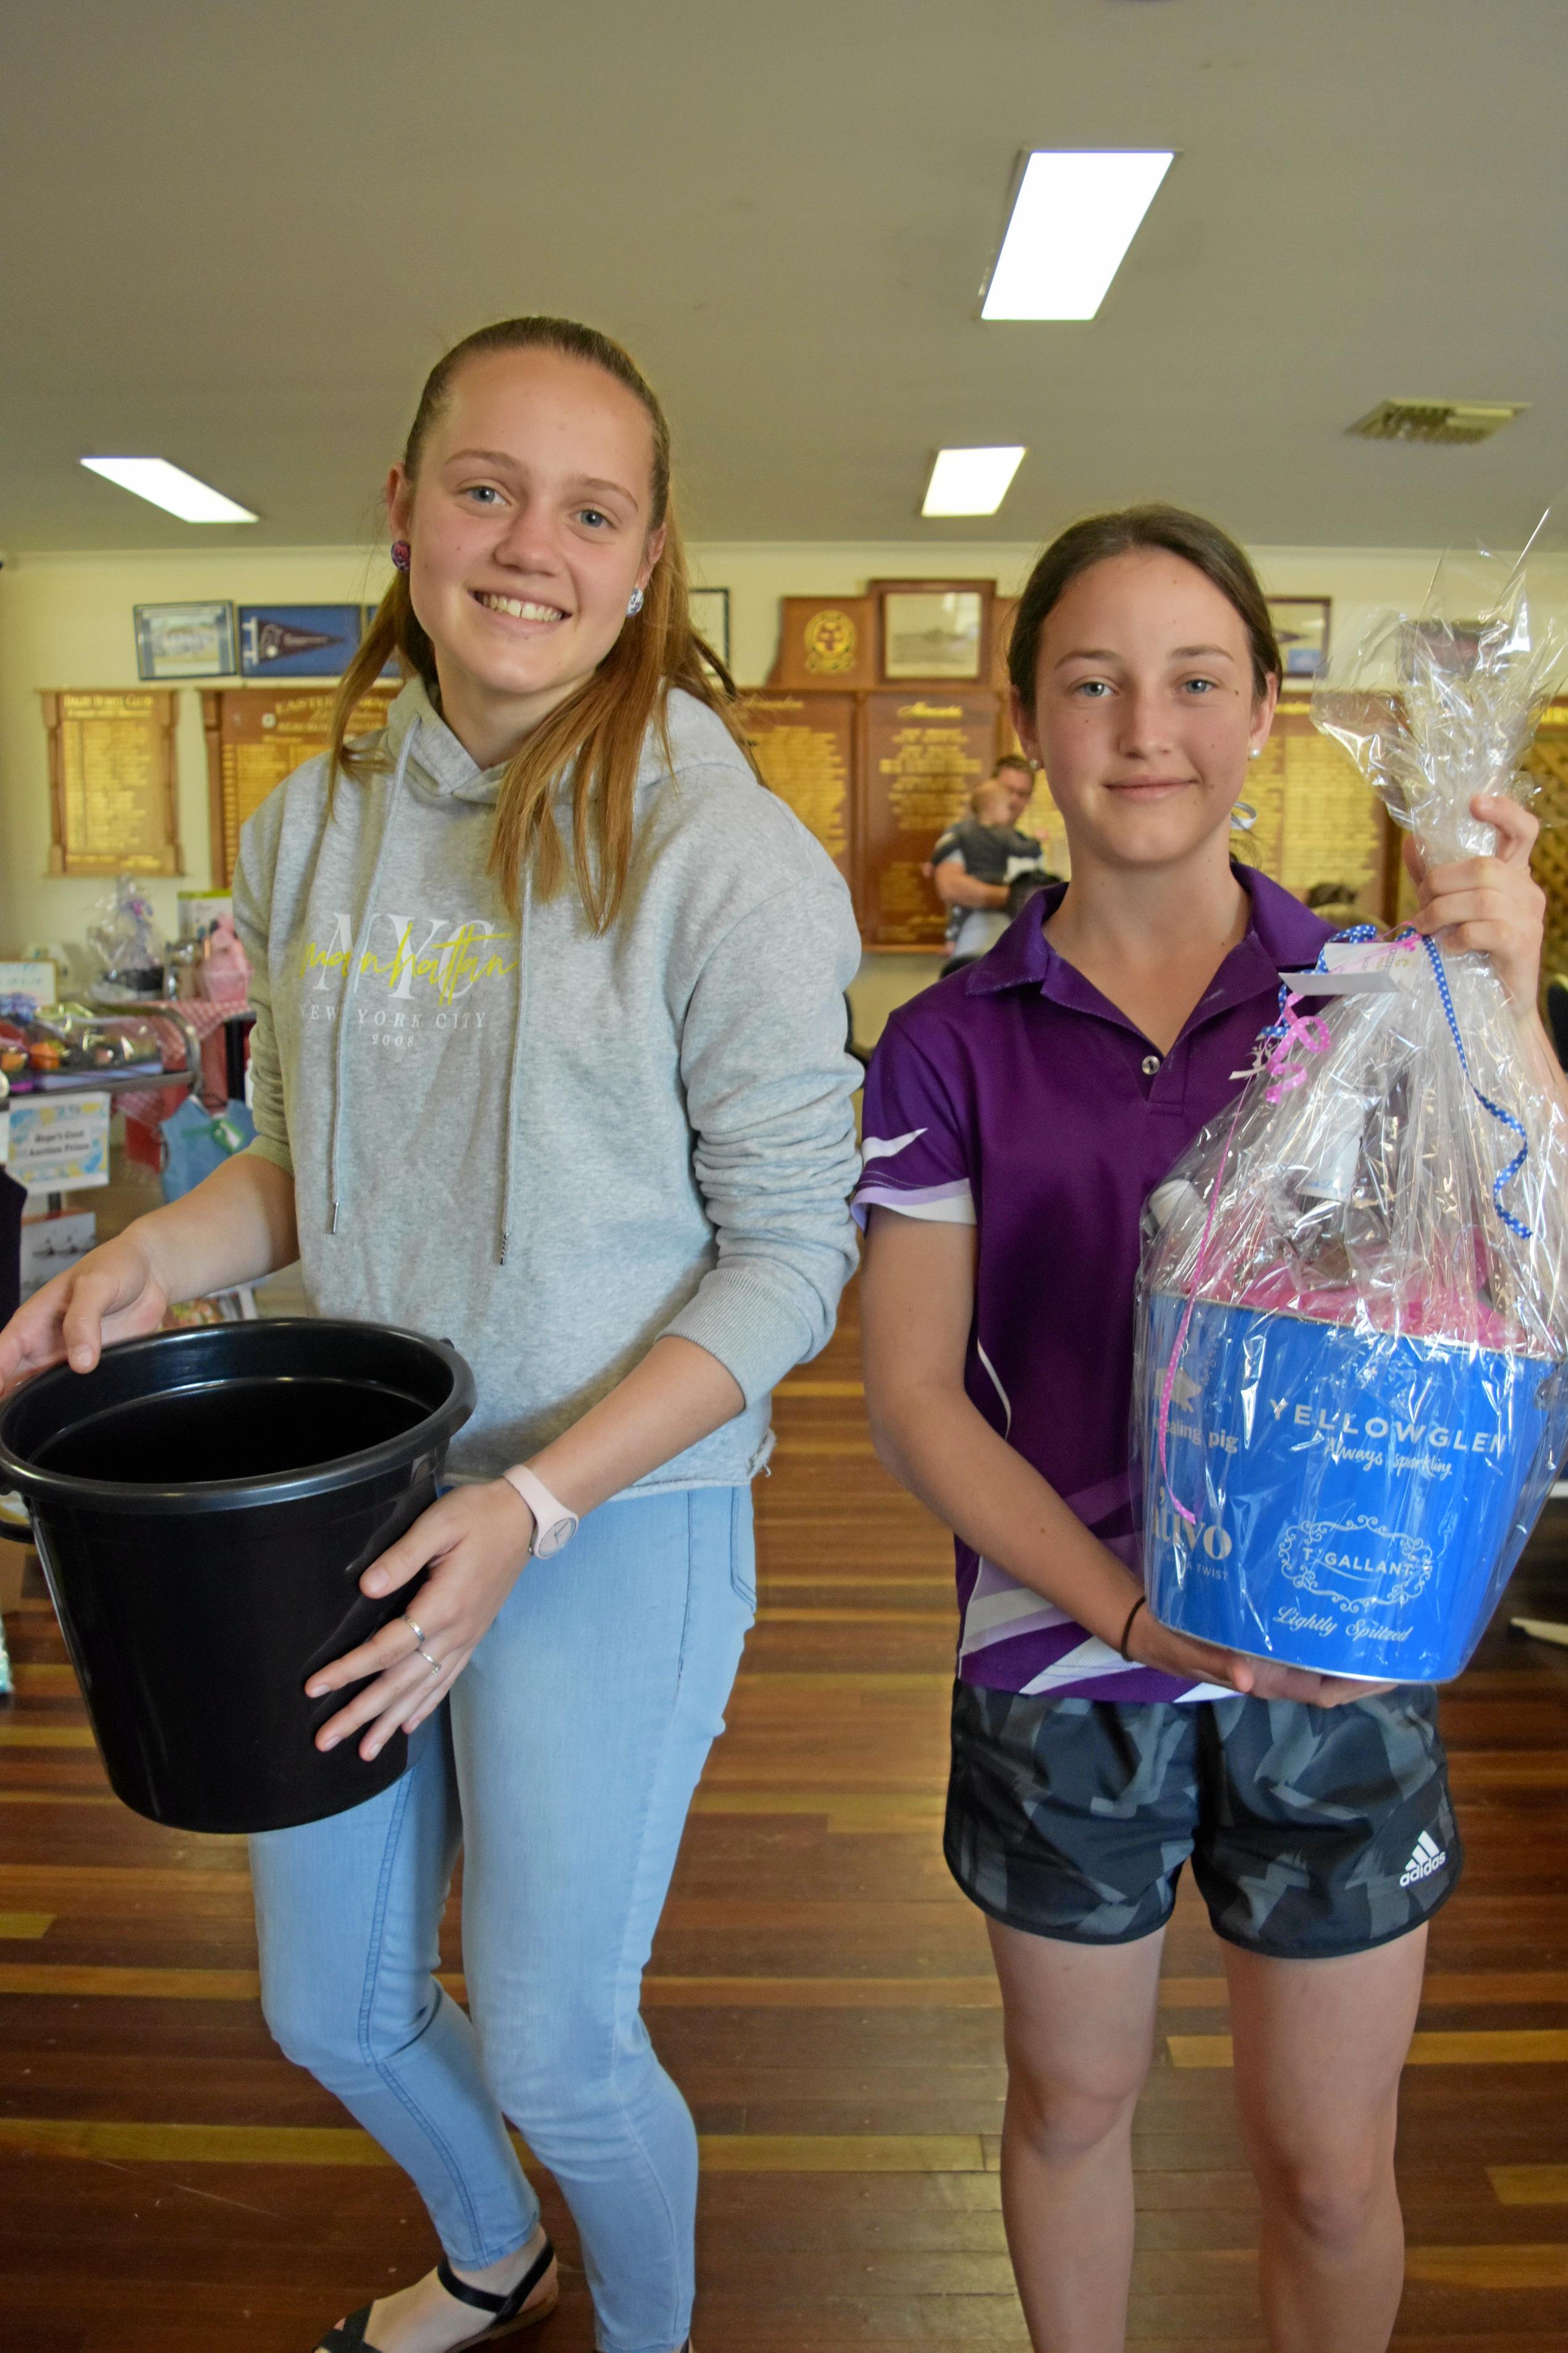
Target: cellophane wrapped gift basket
(1352,1348)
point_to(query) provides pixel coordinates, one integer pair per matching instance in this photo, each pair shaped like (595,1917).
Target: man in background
(983,867)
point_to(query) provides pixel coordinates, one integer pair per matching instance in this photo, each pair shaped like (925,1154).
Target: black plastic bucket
(203,1503)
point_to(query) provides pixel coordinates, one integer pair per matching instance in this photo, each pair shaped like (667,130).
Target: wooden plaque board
(111,782)
(1547,765)
(1004,613)
(805,747)
(257,736)
(922,753)
(1042,817)
(826,641)
(1318,821)
(1044,820)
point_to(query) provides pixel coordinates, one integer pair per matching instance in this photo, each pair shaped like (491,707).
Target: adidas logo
(1428,1858)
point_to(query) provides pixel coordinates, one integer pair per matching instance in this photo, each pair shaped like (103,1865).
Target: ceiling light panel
(1074,218)
(971,482)
(170,488)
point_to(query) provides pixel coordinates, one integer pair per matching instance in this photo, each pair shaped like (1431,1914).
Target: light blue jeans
(563,1765)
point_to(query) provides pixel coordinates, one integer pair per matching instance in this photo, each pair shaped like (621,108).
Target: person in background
(976,863)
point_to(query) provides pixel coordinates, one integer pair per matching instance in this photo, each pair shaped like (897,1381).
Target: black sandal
(506,2311)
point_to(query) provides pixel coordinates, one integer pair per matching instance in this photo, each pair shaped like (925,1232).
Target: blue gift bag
(195,1141)
(1358,1500)
(1352,1331)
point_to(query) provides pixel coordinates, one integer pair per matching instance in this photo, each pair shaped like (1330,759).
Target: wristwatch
(554,1524)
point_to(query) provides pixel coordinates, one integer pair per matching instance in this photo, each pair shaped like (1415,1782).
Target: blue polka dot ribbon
(1505,1118)
(1356,936)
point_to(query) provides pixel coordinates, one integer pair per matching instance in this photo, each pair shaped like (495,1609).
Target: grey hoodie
(546,1146)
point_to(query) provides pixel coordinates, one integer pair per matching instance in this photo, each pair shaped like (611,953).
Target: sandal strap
(351,2337)
(500,2307)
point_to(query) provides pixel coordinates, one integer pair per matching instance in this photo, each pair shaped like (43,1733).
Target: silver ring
(415,1630)
(434,1664)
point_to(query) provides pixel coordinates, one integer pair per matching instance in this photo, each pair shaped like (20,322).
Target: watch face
(548,1541)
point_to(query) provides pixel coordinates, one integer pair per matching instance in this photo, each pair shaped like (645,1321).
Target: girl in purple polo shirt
(1017,1115)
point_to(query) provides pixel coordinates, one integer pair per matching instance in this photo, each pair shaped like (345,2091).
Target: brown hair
(597,732)
(1198,542)
(1015,760)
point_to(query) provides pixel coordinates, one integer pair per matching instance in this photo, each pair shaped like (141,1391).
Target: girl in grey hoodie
(548,1058)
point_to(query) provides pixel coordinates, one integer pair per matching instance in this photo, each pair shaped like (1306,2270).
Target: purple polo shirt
(1014,1097)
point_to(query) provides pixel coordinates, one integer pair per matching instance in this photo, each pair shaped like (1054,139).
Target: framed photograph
(184,641)
(1301,625)
(298,640)
(710,611)
(935,630)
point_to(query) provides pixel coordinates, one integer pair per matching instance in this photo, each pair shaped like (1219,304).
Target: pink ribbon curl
(1299,1034)
(1296,1036)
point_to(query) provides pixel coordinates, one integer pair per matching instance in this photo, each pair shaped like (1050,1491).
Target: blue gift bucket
(1358,1500)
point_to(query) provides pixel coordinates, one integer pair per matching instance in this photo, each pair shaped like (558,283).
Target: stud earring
(400,555)
(1256,753)
(634,603)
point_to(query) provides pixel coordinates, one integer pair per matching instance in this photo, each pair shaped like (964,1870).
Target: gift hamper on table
(1353,1343)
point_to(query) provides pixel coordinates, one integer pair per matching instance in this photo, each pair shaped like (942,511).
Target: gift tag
(1340,984)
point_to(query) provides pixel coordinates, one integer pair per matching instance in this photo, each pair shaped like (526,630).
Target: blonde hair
(597,732)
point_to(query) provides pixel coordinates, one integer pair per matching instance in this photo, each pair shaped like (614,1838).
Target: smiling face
(529,525)
(1145,709)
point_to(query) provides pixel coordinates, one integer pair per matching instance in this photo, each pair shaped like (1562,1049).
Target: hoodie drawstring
(350,977)
(514,1072)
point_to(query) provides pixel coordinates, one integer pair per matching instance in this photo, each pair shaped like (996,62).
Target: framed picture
(1301,625)
(184,641)
(297,641)
(710,611)
(934,630)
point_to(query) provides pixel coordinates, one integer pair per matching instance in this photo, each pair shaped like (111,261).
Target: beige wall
(65,620)
(757,574)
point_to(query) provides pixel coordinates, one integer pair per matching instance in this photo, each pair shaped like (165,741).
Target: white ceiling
(237,236)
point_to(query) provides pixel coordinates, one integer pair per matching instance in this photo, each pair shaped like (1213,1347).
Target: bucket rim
(1158,1292)
(40,1488)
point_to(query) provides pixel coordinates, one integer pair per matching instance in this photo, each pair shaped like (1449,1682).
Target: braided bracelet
(1126,1631)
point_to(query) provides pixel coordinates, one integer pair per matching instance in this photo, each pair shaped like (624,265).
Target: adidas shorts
(1312,1831)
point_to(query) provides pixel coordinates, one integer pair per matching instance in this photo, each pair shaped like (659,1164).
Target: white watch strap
(554,1524)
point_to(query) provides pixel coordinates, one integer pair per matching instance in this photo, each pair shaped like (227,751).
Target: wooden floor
(821,1992)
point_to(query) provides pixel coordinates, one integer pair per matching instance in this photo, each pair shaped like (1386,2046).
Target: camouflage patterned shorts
(1312,1831)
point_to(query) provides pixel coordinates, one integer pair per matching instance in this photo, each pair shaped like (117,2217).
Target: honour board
(1319,825)
(256,737)
(1547,766)
(111,782)
(805,747)
(923,752)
